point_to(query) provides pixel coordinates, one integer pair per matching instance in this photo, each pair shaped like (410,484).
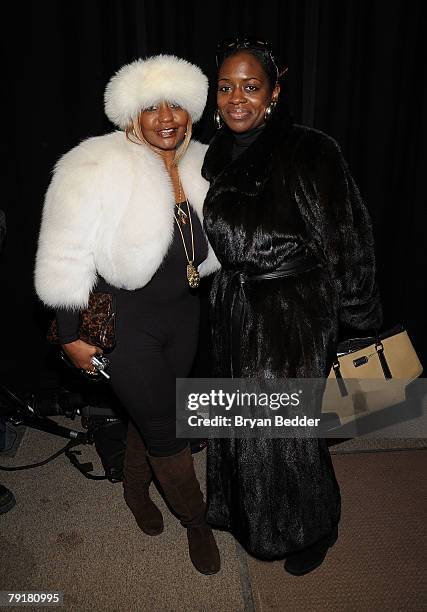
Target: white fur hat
(145,82)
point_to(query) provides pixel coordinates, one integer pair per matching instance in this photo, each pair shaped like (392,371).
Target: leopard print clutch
(97,322)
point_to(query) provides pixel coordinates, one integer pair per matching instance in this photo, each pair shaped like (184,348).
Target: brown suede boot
(182,490)
(137,476)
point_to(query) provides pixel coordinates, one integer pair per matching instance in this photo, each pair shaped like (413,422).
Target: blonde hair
(134,134)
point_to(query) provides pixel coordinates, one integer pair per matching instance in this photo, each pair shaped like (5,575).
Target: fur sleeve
(342,230)
(65,272)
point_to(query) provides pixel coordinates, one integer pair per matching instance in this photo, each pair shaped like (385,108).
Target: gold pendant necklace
(193,275)
(182,216)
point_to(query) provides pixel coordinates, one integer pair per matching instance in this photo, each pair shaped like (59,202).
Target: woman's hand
(81,353)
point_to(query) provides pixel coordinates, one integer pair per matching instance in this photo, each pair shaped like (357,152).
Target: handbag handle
(379,347)
(340,380)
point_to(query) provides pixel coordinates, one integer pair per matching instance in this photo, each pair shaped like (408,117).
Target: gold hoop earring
(217,119)
(269,110)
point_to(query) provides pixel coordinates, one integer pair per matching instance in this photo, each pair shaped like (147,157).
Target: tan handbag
(370,374)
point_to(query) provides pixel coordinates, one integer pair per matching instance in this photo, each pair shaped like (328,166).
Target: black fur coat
(290,191)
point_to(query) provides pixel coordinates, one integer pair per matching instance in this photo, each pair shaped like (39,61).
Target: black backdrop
(357,70)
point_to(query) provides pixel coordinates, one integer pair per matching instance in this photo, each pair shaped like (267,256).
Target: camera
(100,415)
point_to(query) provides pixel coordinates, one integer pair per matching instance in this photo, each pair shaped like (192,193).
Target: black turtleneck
(242,141)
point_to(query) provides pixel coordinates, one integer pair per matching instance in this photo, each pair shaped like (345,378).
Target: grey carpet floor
(71,534)
(379,562)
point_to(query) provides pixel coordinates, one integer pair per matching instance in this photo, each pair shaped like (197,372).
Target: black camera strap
(84,468)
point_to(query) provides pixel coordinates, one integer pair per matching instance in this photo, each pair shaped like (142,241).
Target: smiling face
(244,92)
(163,125)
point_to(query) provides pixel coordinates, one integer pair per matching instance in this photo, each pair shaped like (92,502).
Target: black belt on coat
(292,267)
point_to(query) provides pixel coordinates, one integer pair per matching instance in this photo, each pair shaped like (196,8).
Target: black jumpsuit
(156,331)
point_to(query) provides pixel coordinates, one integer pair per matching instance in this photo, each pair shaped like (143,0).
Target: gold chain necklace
(182,216)
(193,275)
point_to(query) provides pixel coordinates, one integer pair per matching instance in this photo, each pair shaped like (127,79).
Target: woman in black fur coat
(281,201)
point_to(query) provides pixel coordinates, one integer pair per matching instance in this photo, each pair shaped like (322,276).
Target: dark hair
(257,47)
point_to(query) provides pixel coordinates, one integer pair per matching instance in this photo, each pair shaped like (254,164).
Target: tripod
(19,411)
(30,412)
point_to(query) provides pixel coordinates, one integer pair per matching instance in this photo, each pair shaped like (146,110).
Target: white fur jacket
(109,210)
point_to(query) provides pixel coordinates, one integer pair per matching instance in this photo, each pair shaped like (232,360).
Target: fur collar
(248,173)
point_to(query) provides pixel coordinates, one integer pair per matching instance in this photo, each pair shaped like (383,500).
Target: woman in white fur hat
(123,215)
